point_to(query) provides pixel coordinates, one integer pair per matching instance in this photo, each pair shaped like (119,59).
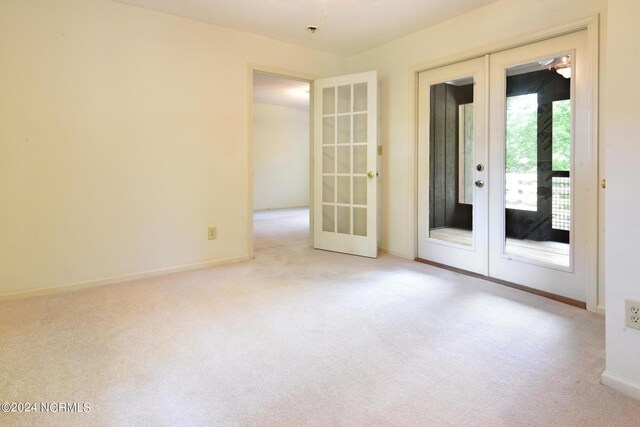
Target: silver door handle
(479,183)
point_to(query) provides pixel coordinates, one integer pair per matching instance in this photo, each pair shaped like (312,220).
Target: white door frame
(288,74)
(591,25)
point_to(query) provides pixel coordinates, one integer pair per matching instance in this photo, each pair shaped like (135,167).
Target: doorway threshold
(549,295)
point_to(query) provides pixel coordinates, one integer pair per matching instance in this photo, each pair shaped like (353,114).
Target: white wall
(280,157)
(123,136)
(495,23)
(622,195)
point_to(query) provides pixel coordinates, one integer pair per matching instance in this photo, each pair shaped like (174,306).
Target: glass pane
(465,153)
(344,129)
(344,99)
(328,160)
(360,222)
(328,218)
(537,161)
(360,159)
(522,152)
(360,97)
(360,127)
(359,190)
(344,189)
(450,215)
(328,130)
(561,204)
(344,159)
(561,138)
(328,189)
(329,100)
(344,220)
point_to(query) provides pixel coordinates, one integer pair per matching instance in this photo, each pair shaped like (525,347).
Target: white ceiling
(276,90)
(349,27)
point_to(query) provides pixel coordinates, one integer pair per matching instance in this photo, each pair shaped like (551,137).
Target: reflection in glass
(344,129)
(344,220)
(451,162)
(360,97)
(521,178)
(344,99)
(344,159)
(328,100)
(360,221)
(538,161)
(328,130)
(360,127)
(328,218)
(328,160)
(465,153)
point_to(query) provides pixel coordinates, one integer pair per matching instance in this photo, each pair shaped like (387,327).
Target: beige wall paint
(622,201)
(280,157)
(123,136)
(495,23)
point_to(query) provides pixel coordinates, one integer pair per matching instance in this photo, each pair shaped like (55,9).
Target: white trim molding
(620,384)
(67,287)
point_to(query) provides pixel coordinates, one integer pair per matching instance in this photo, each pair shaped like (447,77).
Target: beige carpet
(302,337)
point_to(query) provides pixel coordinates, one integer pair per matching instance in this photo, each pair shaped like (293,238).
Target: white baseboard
(281,208)
(56,289)
(394,253)
(620,384)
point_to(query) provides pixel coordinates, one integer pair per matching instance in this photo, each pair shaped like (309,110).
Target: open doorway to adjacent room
(281,167)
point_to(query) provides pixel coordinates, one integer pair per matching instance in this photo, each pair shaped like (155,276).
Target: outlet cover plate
(632,313)
(212,233)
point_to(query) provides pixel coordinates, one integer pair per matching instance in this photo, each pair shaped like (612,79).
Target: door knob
(479,183)
(371,174)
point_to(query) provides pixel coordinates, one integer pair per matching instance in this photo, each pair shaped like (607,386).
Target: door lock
(480,167)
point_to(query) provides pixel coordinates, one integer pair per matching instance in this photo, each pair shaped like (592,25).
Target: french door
(536,218)
(345,156)
(452,154)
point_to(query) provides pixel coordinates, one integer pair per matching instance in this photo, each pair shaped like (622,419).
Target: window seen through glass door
(538,161)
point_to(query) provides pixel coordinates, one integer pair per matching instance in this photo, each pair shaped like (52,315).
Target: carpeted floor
(302,337)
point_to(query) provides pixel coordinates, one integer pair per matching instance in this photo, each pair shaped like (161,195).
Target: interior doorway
(281,132)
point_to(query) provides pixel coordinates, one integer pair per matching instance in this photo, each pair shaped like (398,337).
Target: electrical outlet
(632,313)
(213,233)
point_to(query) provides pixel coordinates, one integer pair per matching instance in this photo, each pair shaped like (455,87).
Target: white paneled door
(345,173)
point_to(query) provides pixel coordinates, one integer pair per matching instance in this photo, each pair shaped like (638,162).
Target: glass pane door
(538,160)
(345,176)
(543,200)
(451,170)
(452,198)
